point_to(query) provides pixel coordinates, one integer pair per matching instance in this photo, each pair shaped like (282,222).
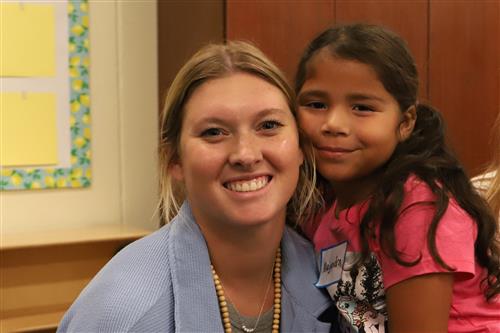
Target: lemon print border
(79,174)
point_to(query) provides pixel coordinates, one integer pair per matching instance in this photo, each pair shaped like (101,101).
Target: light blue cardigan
(163,283)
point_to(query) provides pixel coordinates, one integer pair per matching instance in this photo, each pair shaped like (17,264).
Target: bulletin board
(44,95)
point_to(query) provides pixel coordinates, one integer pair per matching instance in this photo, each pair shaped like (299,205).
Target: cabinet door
(281,29)
(407,18)
(464,73)
(455,45)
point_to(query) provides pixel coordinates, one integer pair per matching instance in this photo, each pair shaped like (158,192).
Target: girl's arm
(420,304)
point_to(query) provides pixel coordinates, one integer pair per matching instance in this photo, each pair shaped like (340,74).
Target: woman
(488,183)
(231,152)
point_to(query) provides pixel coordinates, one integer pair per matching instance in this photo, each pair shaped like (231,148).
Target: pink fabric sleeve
(455,238)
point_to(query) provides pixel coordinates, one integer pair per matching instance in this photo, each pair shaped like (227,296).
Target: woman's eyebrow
(269,111)
(211,119)
(222,120)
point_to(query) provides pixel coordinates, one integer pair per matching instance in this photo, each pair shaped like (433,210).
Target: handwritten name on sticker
(331,264)
(328,266)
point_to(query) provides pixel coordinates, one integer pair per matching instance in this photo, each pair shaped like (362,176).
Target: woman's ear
(176,171)
(301,157)
(407,123)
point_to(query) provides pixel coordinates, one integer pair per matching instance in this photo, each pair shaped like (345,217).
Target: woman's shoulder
(299,243)
(136,280)
(483,181)
(144,257)
(299,254)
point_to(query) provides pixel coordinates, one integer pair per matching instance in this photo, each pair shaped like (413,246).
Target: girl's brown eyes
(362,108)
(315,105)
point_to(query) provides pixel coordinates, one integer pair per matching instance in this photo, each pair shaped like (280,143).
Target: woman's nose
(337,122)
(246,151)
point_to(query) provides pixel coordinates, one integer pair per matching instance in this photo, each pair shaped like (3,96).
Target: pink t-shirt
(359,294)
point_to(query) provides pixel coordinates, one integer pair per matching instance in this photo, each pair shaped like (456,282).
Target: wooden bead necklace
(226,321)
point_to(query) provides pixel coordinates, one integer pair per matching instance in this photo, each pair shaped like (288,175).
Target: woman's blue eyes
(268,125)
(271,124)
(210,132)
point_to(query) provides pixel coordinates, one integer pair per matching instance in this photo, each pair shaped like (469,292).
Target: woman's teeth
(248,185)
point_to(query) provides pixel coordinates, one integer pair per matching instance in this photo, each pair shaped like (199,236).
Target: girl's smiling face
(351,119)
(239,152)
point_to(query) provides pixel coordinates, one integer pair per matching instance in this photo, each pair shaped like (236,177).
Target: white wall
(124,99)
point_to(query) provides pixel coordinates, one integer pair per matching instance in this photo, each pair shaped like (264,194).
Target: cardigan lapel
(302,302)
(195,301)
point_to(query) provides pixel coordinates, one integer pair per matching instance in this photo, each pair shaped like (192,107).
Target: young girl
(406,243)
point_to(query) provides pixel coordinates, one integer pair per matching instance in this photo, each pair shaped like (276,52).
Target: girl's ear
(407,123)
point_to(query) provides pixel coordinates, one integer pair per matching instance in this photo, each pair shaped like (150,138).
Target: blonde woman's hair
(211,62)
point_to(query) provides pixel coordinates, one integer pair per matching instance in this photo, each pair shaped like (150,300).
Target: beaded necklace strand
(226,321)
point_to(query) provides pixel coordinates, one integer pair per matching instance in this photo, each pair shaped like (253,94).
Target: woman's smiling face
(239,152)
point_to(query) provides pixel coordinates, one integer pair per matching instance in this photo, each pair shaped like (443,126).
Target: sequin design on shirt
(360,296)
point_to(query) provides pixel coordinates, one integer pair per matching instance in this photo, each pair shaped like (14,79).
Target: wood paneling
(464,80)
(41,277)
(455,45)
(408,18)
(39,284)
(183,27)
(281,29)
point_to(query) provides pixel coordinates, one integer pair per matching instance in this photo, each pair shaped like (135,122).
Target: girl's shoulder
(454,237)
(416,190)
(419,194)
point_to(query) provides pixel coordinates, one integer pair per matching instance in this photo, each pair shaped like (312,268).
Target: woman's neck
(243,258)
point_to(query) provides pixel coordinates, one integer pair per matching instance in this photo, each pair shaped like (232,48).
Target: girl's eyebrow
(350,97)
(313,93)
(363,96)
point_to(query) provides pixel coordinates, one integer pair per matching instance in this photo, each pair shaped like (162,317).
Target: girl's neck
(350,193)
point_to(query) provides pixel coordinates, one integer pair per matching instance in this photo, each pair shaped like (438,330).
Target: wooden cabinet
(280,28)
(455,44)
(464,73)
(43,272)
(184,27)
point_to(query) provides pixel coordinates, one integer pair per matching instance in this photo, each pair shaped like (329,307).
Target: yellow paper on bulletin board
(27,40)
(28,129)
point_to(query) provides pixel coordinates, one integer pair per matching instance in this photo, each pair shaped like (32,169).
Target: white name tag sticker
(331,264)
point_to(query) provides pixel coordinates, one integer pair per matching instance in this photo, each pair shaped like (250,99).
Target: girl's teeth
(248,186)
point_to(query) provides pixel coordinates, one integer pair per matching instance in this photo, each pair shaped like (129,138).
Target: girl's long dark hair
(424,154)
